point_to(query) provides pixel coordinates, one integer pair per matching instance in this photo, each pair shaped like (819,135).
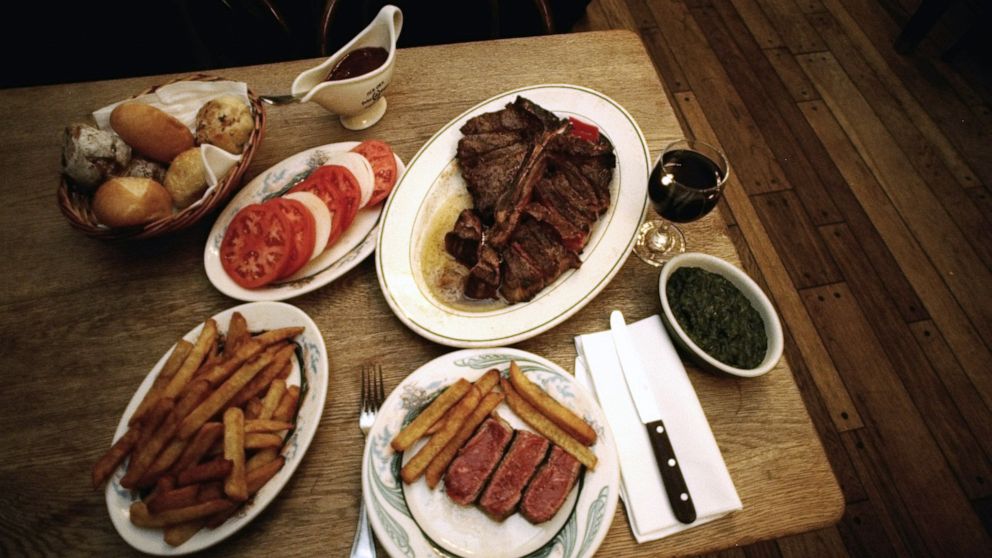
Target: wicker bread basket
(76,206)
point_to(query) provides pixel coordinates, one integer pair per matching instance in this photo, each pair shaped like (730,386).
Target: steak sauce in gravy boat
(358,99)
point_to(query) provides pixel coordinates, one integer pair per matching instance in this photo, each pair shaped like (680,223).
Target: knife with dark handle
(650,415)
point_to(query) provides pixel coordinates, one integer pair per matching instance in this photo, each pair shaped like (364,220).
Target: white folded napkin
(641,487)
(183,100)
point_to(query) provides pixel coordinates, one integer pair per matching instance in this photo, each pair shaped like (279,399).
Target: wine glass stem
(660,239)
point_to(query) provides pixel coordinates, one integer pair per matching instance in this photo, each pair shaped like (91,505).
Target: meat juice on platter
(538,186)
(683,187)
(358,63)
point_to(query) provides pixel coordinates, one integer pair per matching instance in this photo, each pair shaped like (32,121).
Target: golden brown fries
(546,428)
(203,470)
(207,336)
(272,399)
(553,410)
(107,464)
(440,462)
(430,415)
(176,358)
(418,464)
(234,451)
(484,384)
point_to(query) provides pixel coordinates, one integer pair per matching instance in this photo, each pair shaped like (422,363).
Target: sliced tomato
(338,189)
(256,246)
(380,155)
(303,233)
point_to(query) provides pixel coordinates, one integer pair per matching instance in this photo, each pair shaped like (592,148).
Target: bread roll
(145,168)
(225,122)
(90,155)
(129,201)
(150,131)
(186,179)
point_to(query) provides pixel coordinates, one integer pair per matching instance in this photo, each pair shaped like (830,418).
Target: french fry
(237,332)
(222,370)
(484,384)
(141,517)
(205,438)
(234,451)
(163,462)
(277,335)
(175,535)
(174,499)
(553,410)
(546,428)
(418,464)
(263,379)
(107,464)
(218,469)
(219,398)
(164,484)
(437,466)
(145,454)
(218,519)
(150,424)
(287,405)
(182,377)
(260,458)
(194,394)
(253,409)
(263,425)
(416,429)
(261,440)
(176,358)
(257,478)
(272,397)
(210,491)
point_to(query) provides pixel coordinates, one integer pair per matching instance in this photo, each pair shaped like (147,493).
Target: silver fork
(372,396)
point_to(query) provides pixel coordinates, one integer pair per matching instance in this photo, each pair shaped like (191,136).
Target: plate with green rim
(410,259)
(415,521)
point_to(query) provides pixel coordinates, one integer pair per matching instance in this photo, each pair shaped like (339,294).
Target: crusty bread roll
(127,201)
(226,122)
(186,179)
(90,155)
(150,131)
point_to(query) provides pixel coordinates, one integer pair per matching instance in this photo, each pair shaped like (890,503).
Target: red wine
(683,185)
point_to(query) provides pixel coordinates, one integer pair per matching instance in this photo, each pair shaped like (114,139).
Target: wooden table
(83,321)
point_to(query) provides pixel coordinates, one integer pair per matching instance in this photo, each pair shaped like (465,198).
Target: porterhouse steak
(537,191)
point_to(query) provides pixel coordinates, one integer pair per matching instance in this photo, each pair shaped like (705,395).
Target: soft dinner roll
(186,179)
(225,122)
(128,201)
(150,131)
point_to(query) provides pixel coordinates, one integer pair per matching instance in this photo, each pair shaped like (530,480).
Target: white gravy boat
(358,100)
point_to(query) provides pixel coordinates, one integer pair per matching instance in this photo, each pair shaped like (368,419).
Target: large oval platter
(309,372)
(433,185)
(356,244)
(415,521)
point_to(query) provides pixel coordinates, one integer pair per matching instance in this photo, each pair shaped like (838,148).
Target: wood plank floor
(861,201)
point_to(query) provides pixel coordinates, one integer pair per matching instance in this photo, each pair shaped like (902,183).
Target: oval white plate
(354,245)
(313,369)
(415,521)
(434,179)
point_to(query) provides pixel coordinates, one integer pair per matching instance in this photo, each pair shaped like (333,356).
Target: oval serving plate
(433,182)
(310,374)
(354,245)
(414,521)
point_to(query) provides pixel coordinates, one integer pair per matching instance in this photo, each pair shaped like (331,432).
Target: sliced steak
(476,460)
(572,237)
(484,277)
(556,192)
(511,118)
(543,247)
(550,487)
(521,278)
(506,487)
(489,176)
(473,146)
(463,240)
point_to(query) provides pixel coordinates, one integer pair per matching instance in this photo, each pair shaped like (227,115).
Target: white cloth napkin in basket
(598,368)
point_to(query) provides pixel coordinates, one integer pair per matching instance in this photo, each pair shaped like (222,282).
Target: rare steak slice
(522,279)
(476,460)
(573,238)
(519,464)
(550,487)
(543,247)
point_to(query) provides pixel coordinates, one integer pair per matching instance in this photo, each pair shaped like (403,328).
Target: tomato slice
(256,246)
(338,188)
(380,155)
(304,230)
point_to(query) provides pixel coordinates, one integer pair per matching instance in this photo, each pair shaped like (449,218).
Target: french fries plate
(413,520)
(310,373)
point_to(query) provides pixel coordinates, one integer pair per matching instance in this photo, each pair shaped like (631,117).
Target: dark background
(48,42)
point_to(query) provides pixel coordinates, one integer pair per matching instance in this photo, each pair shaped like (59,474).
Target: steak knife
(650,415)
